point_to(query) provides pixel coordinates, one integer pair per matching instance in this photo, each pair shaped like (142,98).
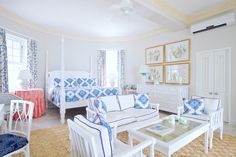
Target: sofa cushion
(204,117)
(142,101)
(111,103)
(193,106)
(126,101)
(101,135)
(120,118)
(141,114)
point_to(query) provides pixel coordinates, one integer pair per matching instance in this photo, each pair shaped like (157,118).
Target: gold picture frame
(177,74)
(154,55)
(178,51)
(156,74)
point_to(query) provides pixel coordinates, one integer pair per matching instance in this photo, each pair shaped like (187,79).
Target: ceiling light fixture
(126,6)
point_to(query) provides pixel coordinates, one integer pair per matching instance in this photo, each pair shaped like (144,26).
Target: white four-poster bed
(72,89)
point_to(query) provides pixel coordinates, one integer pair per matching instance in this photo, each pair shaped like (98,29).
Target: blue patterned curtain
(101,67)
(32,61)
(121,68)
(3,63)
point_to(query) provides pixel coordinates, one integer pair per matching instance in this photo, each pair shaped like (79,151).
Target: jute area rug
(54,142)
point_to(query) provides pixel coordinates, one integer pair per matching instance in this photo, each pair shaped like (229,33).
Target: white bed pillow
(126,101)
(111,103)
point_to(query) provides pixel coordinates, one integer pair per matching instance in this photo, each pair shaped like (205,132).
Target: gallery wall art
(169,63)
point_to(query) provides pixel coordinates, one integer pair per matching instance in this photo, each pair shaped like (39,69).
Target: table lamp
(144,70)
(25,78)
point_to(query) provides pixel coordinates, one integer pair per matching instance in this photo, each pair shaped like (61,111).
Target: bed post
(46,80)
(90,66)
(62,96)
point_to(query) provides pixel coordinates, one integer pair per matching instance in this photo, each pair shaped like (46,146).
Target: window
(16,51)
(111,68)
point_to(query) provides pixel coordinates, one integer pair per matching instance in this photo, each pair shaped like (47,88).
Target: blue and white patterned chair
(89,139)
(212,112)
(18,137)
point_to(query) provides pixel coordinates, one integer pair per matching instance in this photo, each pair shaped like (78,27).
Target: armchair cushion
(10,143)
(111,103)
(193,106)
(142,101)
(210,104)
(101,134)
(204,117)
(100,120)
(126,101)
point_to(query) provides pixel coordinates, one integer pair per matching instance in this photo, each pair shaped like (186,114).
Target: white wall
(45,41)
(216,39)
(78,51)
(81,50)
(219,38)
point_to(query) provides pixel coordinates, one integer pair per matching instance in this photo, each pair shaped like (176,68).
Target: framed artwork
(154,55)
(177,73)
(177,51)
(156,74)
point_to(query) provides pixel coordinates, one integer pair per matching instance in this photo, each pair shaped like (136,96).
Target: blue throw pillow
(194,106)
(97,105)
(142,101)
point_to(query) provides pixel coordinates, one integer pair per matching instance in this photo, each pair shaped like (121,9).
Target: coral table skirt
(37,97)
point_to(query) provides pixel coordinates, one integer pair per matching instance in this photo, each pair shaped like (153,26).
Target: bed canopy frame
(65,105)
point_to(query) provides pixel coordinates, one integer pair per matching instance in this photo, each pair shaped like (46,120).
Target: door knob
(215,93)
(210,93)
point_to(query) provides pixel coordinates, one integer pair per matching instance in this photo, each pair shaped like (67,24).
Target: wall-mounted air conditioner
(220,21)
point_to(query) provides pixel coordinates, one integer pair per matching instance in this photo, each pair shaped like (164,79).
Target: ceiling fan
(124,6)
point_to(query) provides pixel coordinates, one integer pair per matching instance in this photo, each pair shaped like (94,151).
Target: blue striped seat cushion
(10,143)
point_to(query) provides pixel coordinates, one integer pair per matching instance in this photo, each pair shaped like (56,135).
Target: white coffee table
(182,134)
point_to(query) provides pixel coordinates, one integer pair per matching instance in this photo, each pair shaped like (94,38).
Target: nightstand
(35,95)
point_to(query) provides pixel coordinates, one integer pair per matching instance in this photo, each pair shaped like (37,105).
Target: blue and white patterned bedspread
(78,94)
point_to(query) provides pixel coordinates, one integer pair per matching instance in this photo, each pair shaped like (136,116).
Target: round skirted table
(35,95)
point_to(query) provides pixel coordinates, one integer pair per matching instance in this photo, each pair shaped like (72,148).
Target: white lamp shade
(24,75)
(144,70)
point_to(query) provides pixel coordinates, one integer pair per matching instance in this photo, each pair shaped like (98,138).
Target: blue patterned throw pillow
(142,101)
(100,106)
(194,106)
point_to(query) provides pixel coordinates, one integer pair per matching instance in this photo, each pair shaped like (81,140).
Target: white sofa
(121,113)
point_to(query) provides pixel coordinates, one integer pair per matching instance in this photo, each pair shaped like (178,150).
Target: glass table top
(174,126)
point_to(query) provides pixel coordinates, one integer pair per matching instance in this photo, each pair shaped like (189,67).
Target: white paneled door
(213,77)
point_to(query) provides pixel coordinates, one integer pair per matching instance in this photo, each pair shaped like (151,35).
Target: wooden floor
(52,119)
